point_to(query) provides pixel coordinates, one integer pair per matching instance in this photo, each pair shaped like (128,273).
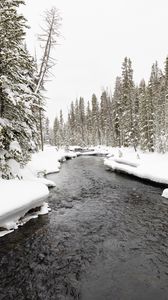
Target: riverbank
(30,190)
(144,165)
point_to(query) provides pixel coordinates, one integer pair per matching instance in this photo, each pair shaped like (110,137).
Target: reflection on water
(105,238)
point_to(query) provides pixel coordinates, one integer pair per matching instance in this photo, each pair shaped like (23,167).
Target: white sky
(97,35)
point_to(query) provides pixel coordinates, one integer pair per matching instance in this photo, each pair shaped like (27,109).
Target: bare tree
(48,39)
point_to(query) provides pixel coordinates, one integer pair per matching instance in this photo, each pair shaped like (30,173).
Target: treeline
(131,116)
(21,86)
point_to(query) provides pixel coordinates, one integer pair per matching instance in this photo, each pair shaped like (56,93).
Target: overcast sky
(97,35)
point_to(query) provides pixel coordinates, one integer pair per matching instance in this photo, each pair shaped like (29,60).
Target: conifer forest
(131,115)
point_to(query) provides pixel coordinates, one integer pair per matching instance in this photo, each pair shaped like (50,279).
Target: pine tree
(166,104)
(88,125)
(82,120)
(62,134)
(104,117)
(17,85)
(136,118)
(78,131)
(47,131)
(72,125)
(143,116)
(96,135)
(153,107)
(56,132)
(117,111)
(128,103)
(161,116)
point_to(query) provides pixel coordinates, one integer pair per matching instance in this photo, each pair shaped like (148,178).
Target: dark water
(106,238)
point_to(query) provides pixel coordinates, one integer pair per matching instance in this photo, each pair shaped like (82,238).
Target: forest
(132,115)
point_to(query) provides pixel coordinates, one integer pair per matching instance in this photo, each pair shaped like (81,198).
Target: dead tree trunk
(49,40)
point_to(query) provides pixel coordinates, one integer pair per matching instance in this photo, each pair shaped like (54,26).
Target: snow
(165,193)
(44,209)
(70,154)
(145,165)
(46,161)
(90,153)
(30,190)
(28,174)
(14,167)
(18,197)
(94,151)
(132,163)
(3,123)
(75,148)
(14,146)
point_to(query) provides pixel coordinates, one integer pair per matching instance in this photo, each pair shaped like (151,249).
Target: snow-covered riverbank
(18,196)
(145,165)
(148,166)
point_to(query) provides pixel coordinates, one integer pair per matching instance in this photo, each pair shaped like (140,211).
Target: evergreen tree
(88,125)
(117,111)
(72,125)
(143,116)
(56,132)
(153,107)
(166,104)
(95,122)
(62,134)
(82,120)
(103,117)
(127,103)
(78,132)
(136,118)
(17,85)
(47,139)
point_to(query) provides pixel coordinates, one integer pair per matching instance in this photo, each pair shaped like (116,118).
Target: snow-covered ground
(19,196)
(93,151)
(145,165)
(48,161)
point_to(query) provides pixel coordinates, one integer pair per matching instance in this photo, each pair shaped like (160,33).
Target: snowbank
(75,148)
(46,161)
(70,154)
(165,193)
(30,175)
(94,151)
(149,166)
(17,198)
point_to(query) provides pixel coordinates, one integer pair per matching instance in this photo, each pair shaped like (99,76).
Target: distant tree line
(133,115)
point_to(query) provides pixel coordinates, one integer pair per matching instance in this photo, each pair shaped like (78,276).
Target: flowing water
(106,238)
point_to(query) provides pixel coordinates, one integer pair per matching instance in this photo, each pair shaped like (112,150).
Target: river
(106,238)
